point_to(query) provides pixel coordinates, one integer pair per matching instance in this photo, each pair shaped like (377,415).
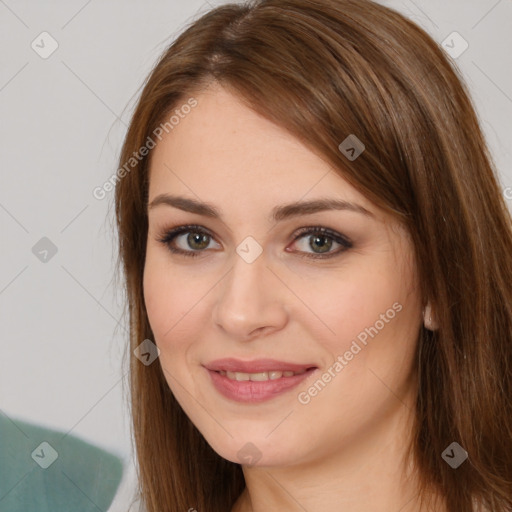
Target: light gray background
(62,122)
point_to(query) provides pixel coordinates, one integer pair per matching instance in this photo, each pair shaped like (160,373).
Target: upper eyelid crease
(279,213)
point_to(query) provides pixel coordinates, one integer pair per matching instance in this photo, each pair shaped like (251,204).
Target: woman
(318,262)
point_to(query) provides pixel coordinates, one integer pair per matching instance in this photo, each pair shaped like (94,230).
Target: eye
(322,239)
(198,239)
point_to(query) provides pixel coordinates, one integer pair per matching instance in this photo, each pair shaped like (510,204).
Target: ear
(429,318)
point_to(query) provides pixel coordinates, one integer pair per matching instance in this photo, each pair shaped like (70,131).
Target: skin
(347,445)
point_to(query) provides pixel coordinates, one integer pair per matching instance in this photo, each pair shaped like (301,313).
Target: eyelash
(171,234)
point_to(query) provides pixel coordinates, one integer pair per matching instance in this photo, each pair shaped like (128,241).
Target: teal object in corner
(43,470)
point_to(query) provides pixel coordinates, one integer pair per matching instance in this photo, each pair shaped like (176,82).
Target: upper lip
(255,366)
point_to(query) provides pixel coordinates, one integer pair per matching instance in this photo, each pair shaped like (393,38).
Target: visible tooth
(259,376)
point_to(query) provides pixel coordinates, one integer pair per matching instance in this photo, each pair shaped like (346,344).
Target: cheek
(176,305)
(166,301)
(349,302)
(167,309)
(377,307)
(159,298)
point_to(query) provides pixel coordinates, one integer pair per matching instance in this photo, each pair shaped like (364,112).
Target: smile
(256,381)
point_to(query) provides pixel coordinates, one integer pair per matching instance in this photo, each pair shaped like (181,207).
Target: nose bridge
(247,300)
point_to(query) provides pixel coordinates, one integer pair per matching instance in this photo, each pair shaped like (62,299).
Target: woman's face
(267,293)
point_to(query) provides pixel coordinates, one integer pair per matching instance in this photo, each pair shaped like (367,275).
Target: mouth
(259,376)
(258,380)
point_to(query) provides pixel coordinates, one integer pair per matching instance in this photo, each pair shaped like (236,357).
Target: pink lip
(255,391)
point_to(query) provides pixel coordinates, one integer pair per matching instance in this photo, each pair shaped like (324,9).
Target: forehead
(225,153)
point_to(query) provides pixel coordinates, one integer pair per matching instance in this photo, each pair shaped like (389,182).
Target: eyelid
(337,237)
(171,234)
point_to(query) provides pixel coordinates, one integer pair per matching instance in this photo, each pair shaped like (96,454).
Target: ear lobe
(429,318)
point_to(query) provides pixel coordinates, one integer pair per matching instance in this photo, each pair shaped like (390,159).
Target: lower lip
(249,391)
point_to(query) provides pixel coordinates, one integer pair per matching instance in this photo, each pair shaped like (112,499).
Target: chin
(257,450)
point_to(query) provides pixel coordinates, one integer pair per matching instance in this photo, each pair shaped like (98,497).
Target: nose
(251,301)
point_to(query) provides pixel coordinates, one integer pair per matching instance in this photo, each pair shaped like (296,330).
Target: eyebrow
(279,213)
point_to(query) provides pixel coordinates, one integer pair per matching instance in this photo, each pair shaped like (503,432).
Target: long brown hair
(325,69)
